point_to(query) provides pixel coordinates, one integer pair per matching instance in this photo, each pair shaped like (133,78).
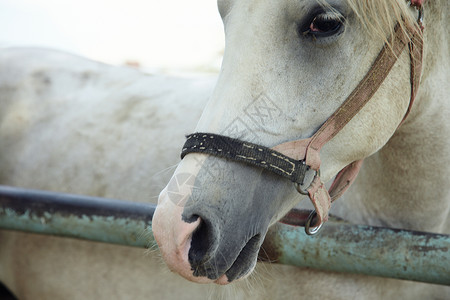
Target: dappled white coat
(73,125)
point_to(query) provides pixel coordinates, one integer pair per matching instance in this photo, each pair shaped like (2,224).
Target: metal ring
(299,189)
(421,14)
(312,230)
(298,186)
(419,9)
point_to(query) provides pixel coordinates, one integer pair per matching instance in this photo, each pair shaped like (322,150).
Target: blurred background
(154,35)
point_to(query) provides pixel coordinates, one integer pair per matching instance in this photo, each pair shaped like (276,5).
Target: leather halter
(294,159)
(308,149)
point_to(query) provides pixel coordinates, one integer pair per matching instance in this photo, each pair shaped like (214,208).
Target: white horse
(288,65)
(72,125)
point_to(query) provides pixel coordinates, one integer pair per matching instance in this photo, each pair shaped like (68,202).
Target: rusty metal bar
(375,251)
(90,218)
(340,246)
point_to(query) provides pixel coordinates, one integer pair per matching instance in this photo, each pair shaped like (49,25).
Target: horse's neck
(405,184)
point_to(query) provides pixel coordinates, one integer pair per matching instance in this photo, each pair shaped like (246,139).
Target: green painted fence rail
(340,246)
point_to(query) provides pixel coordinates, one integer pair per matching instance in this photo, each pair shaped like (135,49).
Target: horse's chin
(223,280)
(239,270)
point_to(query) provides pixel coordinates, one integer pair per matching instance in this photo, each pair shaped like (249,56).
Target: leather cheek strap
(321,200)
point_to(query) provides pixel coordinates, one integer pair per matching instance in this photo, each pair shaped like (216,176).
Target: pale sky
(159,34)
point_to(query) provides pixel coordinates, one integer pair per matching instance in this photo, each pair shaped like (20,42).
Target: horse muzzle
(205,234)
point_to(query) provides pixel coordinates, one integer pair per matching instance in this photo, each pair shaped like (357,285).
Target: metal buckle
(302,188)
(312,230)
(421,15)
(309,178)
(420,12)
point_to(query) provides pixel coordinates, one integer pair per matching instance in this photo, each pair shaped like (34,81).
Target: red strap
(320,198)
(417,3)
(344,179)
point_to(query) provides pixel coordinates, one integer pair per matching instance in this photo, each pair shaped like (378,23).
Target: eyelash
(323,24)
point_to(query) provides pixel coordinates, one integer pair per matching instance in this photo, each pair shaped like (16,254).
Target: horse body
(92,129)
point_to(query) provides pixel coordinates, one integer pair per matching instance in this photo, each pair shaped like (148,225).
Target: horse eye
(324,25)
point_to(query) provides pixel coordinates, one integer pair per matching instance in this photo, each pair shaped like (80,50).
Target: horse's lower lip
(222,280)
(243,255)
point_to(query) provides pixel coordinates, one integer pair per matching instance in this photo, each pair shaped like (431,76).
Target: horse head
(287,67)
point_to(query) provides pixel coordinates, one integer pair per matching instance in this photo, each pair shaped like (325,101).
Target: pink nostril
(174,234)
(183,236)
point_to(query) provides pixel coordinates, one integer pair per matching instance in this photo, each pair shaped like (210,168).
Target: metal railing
(340,246)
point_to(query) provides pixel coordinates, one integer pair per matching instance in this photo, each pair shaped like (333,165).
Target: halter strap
(246,152)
